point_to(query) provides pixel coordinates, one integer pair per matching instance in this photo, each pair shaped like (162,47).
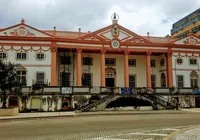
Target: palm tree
(8,79)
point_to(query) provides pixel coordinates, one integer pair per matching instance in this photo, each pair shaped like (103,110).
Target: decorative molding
(53,46)
(148,53)
(136,40)
(103,50)
(126,52)
(169,54)
(22,31)
(115,31)
(186,55)
(23,48)
(191,41)
(79,50)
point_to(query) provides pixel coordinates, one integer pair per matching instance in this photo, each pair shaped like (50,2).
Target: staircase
(156,100)
(95,104)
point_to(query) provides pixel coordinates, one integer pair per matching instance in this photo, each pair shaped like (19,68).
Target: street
(101,127)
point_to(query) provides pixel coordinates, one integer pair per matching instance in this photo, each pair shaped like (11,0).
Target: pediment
(189,40)
(115,31)
(23,30)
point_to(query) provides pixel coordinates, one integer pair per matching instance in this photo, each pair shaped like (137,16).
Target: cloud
(144,16)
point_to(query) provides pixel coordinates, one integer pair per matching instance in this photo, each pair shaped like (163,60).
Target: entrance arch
(128,101)
(110,77)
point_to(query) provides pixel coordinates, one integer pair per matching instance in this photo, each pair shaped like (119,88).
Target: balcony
(81,90)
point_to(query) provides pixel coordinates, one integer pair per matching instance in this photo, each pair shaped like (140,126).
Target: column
(126,67)
(148,69)
(79,67)
(103,68)
(169,70)
(53,64)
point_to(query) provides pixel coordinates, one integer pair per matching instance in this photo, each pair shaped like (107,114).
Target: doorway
(197,102)
(110,77)
(110,82)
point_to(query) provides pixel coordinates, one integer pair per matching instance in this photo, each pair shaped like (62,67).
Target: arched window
(193,79)
(163,80)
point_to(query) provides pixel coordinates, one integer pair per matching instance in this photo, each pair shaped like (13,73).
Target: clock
(115,44)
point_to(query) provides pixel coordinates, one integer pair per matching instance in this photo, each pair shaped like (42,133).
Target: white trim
(80,44)
(140,47)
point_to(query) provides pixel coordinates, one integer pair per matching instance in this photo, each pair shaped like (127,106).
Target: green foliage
(8,79)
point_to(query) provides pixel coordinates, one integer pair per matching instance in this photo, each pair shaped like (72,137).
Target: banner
(126,91)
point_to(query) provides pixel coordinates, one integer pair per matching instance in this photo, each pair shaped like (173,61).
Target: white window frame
(22,55)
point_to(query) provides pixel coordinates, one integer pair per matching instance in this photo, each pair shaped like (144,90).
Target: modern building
(112,56)
(191,22)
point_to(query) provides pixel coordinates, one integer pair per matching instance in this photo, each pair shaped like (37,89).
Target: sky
(139,16)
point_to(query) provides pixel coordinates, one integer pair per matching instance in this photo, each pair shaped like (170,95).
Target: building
(112,56)
(191,22)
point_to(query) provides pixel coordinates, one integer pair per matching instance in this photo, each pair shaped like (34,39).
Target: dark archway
(197,102)
(128,101)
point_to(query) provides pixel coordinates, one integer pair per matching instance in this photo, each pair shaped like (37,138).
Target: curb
(174,134)
(95,114)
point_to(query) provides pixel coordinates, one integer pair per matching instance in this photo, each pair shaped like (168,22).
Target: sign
(126,91)
(66,90)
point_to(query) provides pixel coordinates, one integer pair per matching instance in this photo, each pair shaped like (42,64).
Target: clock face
(115,44)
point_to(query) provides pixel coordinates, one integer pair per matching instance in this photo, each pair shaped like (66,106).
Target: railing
(80,90)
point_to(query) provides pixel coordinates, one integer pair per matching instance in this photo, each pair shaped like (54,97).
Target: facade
(112,56)
(191,22)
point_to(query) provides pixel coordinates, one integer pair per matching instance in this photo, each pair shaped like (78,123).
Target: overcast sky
(140,16)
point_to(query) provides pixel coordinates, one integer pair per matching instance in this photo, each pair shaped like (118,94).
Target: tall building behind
(191,22)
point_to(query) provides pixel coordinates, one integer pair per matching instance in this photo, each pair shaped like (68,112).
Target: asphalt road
(115,127)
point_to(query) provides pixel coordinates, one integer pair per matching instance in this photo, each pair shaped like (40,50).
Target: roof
(155,39)
(66,34)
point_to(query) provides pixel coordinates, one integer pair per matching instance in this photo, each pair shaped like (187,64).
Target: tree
(8,79)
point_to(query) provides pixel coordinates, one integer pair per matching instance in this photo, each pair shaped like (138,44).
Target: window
(65,79)
(153,80)
(193,79)
(40,56)
(87,79)
(162,62)
(132,62)
(3,55)
(193,61)
(180,82)
(163,80)
(65,60)
(132,79)
(21,77)
(40,78)
(153,63)
(87,61)
(21,56)
(179,61)
(110,61)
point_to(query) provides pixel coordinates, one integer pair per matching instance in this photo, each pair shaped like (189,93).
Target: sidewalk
(191,133)
(38,115)
(72,113)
